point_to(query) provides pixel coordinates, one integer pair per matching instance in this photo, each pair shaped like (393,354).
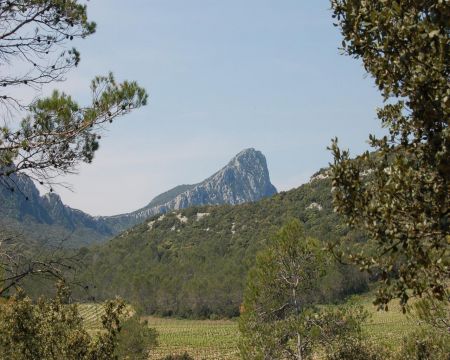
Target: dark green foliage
(53,330)
(280,318)
(198,268)
(401,195)
(356,348)
(56,133)
(135,339)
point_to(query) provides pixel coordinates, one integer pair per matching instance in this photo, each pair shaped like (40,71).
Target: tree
(400,193)
(279,319)
(20,260)
(136,339)
(56,133)
(52,329)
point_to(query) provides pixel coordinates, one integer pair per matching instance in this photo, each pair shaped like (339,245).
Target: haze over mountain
(244,179)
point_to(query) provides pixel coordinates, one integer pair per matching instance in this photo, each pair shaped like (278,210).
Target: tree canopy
(197,268)
(279,317)
(47,136)
(56,133)
(400,193)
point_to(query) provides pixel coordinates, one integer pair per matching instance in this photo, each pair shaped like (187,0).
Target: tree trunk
(297,310)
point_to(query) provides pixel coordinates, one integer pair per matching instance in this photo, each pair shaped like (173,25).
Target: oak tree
(400,192)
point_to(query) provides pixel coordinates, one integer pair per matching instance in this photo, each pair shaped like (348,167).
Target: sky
(222,76)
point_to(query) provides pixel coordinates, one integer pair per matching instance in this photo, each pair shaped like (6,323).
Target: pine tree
(279,317)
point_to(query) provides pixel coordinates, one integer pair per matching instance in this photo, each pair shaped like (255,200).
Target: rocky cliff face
(244,179)
(45,218)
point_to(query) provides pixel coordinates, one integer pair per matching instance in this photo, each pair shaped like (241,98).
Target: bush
(53,330)
(356,348)
(135,339)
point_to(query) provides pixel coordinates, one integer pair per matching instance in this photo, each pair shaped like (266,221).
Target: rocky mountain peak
(249,159)
(244,179)
(52,198)
(53,203)
(247,155)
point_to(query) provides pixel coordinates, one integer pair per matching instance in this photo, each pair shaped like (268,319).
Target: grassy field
(217,339)
(91,314)
(388,327)
(202,339)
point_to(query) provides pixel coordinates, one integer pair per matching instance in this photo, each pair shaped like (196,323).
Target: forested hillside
(194,262)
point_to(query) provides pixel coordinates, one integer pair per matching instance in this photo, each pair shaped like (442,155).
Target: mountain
(46,219)
(244,179)
(193,262)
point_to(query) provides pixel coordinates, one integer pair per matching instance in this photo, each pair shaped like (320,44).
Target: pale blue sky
(222,76)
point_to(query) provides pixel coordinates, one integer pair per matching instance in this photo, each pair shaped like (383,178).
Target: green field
(389,327)
(217,339)
(202,339)
(91,314)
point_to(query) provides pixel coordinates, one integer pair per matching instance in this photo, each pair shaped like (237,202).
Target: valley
(184,267)
(219,339)
(175,243)
(193,262)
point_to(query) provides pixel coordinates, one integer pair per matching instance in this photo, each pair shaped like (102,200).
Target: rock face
(244,179)
(45,218)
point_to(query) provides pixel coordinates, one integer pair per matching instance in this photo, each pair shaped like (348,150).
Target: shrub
(356,348)
(135,339)
(51,329)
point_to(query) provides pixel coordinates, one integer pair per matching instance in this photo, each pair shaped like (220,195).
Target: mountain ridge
(245,178)
(222,179)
